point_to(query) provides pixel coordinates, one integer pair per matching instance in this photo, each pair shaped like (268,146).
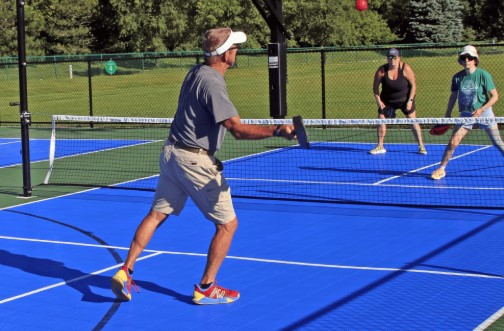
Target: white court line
(291,181)
(51,198)
(11,142)
(419,169)
(69,281)
(489,321)
(336,266)
(158,252)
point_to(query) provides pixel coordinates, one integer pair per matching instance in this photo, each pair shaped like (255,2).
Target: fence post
(322,68)
(90,93)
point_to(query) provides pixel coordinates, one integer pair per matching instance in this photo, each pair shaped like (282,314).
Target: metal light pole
(23,100)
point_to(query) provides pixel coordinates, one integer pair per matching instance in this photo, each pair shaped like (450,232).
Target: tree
(493,11)
(140,25)
(485,18)
(67,25)
(393,12)
(237,14)
(160,25)
(104,28)
(8,25)
(113,26)
(335,22)
(435,21)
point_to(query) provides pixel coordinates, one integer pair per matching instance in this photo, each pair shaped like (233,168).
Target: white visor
(234,38)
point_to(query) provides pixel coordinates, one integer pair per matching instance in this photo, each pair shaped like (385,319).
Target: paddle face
(300,130)
(439,129)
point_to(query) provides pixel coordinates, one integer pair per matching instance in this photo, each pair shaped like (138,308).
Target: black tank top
(394,91)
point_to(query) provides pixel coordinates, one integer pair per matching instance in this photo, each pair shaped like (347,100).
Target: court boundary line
(426,167)
(52,198)
(10,142)
(70,280)
(242,258)
(359,184)
(489,321)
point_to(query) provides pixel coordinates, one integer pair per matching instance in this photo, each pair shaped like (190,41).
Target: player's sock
(205,286)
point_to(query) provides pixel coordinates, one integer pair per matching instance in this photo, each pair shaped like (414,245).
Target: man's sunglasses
(392,57)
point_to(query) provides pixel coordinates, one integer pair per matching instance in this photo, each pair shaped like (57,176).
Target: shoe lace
(131,284)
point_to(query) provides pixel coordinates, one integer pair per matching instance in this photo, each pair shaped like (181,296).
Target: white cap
(471,51)
(234,38)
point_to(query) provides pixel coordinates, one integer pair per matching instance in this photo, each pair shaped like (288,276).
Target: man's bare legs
(122,281)
(143,235)
(219,247)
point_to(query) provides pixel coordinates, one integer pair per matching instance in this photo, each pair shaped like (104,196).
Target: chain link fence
(321,82)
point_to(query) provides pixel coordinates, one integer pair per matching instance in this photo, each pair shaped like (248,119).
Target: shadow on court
(76,279)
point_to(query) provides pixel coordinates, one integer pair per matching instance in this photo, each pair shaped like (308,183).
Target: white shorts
(186,174)
(487,113)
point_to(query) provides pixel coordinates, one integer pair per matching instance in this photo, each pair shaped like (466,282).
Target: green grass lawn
(151,90)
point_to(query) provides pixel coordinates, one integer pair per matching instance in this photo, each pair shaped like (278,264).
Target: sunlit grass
(150,88)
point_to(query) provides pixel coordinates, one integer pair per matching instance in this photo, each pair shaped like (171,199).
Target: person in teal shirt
(475,91)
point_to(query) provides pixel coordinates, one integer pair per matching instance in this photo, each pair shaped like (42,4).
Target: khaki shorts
(186,174)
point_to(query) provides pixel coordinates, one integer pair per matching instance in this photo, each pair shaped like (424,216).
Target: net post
(52,149)
(25,116)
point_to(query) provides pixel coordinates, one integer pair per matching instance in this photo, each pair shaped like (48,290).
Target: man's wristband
(410,100)
(277,132)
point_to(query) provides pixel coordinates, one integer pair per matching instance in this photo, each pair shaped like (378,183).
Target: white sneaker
(438,173)
(378,150)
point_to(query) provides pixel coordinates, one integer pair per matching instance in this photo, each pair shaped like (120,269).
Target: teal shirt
(472,89)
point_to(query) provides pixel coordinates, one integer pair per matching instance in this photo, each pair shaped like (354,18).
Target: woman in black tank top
(395,91)
(398,88)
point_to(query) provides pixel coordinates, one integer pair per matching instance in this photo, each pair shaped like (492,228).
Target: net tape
(307,122)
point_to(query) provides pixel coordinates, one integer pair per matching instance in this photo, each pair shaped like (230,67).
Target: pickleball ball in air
(361,5)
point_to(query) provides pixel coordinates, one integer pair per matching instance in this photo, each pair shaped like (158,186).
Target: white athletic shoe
(378,150)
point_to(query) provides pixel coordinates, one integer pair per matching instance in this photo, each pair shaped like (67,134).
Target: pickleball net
(123,153)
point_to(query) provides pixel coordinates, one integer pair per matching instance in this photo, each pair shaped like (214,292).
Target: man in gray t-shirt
(188,167)
(203,105)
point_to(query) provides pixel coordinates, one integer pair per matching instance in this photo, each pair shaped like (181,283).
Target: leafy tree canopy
(112,26)
(435,21)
